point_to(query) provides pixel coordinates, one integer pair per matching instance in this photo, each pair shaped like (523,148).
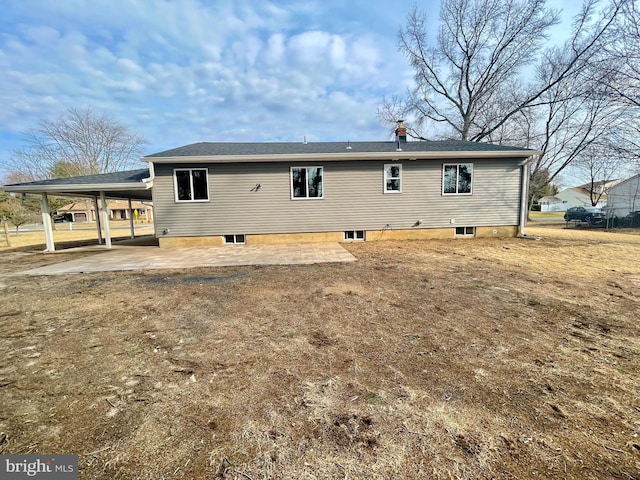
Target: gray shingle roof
(126,184)
(204,149)
(129,176)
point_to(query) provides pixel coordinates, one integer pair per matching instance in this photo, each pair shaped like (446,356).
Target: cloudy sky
(178,72)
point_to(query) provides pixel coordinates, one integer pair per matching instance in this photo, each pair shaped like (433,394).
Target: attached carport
(129,185)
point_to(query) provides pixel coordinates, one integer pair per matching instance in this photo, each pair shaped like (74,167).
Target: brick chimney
(401,132)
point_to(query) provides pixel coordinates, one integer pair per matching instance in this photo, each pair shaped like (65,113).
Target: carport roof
(134,184)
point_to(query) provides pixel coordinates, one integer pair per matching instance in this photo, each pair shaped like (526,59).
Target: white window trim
(385,178)
(355,236)
(465,234)
(175,185)
(235,239)
(473,172)
(307,167)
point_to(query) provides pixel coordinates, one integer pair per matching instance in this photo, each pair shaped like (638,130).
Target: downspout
(149,183)
(98,221)
(524,196)
(131,227)
(152,175)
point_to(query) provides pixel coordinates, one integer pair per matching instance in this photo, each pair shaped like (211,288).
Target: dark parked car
(590,215)
(63,217)
(631,220)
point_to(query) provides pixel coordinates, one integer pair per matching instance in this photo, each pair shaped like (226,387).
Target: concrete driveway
(133,257)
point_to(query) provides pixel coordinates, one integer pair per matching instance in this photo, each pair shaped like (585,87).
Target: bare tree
(79,142)
(600,169)
(579,118)
(488,77)
(540,186)
(622,52)
(481,47)
(16,212)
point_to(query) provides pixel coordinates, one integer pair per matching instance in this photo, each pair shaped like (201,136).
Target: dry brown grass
(443,359)
(558,231)
(545,215)
(63,234)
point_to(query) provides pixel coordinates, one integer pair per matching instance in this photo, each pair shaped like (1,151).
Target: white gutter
(76,187)
(524,195)
(152,174)
(288,157)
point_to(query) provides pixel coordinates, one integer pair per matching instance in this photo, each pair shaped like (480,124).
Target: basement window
(235,239)
(354,236)
(465,231)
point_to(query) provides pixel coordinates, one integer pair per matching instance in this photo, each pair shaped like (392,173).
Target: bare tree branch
(473,80)
(80,142)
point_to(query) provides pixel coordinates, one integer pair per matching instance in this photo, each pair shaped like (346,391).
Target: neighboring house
(572,197)
(552,204)
(624,197)
(118,210)
(77,212)
(255,193)
(581,195)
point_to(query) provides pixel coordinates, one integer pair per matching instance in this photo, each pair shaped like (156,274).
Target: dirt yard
(469,359)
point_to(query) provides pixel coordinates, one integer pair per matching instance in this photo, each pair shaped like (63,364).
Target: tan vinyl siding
(354,199)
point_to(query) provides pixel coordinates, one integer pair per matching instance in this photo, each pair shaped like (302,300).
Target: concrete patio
(130,255)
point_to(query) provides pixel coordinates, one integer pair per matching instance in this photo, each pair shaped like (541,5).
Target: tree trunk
(6,233)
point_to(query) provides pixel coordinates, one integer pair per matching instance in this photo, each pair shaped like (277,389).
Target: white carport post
(105,220)
(133,232)
(97,213)
(46,223)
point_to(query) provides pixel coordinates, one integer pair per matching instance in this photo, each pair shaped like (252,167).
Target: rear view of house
(256,193)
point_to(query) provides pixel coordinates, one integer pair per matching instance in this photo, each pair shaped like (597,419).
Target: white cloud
(337,50)
(178,72)
(127,66)
(275,49)
(39,34)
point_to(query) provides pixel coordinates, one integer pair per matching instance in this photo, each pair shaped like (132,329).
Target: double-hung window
(191,184)
(393,178)
(306,182)
(457,179)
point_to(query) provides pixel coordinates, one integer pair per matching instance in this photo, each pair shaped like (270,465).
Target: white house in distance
(552,204)
(624,197)
(577,197)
